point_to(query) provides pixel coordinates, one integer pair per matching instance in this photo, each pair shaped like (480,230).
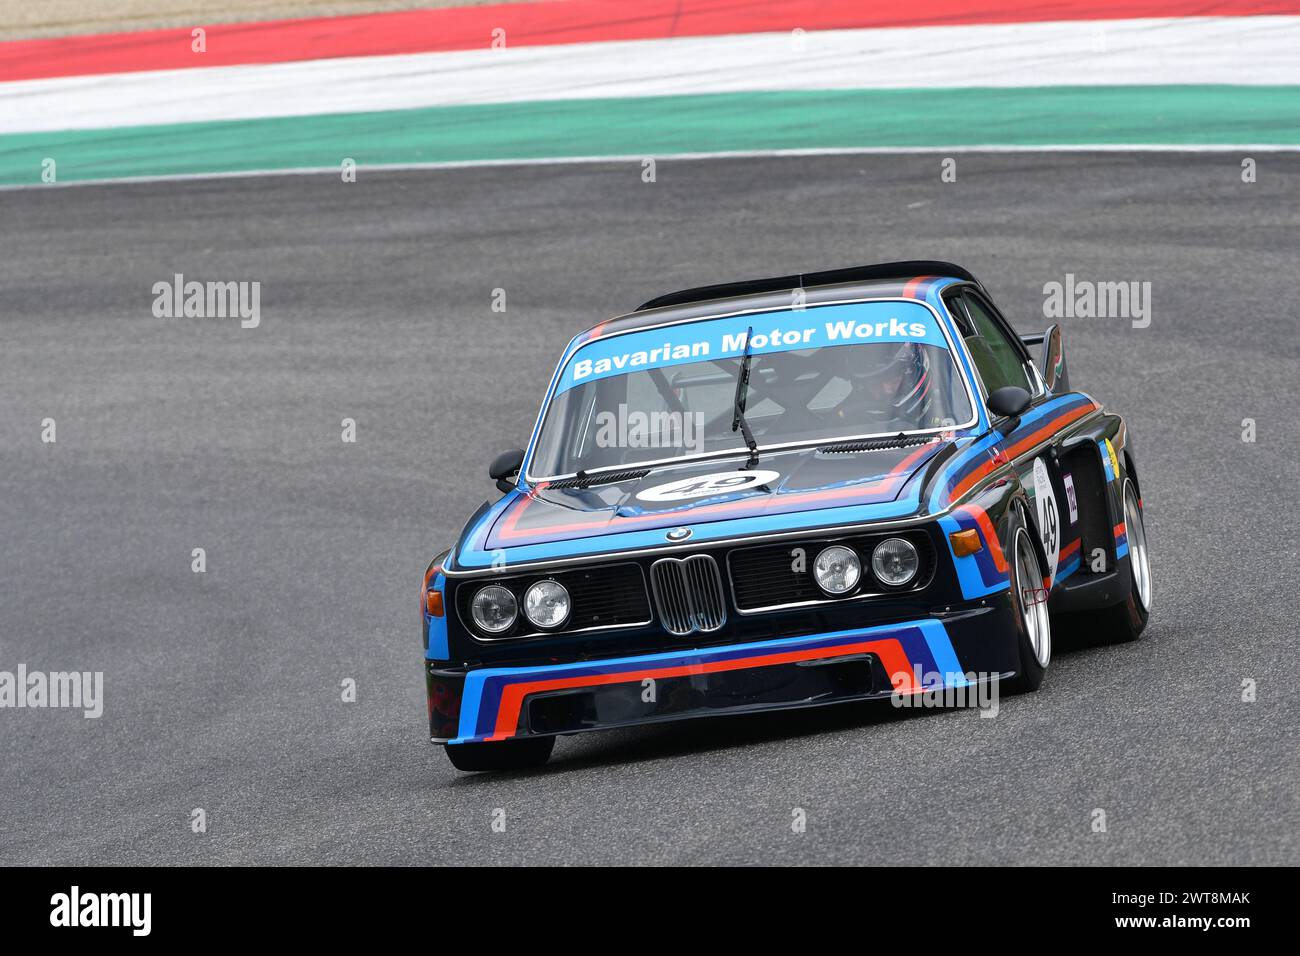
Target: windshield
(827,373)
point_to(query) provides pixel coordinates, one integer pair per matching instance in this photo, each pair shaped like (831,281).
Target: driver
(891,394)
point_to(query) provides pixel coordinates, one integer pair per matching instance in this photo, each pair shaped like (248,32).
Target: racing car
(780,493)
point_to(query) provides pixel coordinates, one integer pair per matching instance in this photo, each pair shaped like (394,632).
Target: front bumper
(498,703)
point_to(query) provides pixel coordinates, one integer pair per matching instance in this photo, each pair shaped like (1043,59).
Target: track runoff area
(574,79)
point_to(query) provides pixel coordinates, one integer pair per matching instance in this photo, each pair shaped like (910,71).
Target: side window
(958,312)
(997,359)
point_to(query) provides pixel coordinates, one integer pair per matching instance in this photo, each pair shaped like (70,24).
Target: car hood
(697,502)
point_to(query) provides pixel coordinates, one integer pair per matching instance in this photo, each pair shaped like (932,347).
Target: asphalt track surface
(222,689)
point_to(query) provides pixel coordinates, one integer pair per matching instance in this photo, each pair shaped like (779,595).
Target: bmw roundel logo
(678,534)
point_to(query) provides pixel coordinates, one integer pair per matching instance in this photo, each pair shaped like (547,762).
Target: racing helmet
(899,386)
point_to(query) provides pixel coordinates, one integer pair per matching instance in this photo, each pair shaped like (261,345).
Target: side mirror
(506,466)
(1009,401)
(1055,375)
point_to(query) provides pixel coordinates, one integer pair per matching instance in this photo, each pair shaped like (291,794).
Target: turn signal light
(433,602)
(966,542)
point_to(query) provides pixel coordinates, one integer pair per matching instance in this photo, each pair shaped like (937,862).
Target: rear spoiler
(910,269)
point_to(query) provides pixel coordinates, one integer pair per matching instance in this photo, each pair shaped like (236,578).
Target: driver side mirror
(1008,402)
(1051,361)
(506,466)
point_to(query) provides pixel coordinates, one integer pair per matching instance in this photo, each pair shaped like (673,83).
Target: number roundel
(1049,521)
(706,486)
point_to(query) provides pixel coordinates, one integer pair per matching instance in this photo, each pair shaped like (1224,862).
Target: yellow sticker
(1114,462)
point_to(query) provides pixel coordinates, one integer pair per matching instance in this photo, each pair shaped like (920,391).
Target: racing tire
(521,754)
(1125,621)
(1029,600)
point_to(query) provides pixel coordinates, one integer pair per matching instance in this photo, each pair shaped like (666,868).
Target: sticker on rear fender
(1114,461)
(1070,498)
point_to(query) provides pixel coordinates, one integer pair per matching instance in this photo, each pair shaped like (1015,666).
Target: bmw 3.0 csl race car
(783,493)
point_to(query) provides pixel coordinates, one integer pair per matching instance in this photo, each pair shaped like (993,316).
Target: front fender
(987,571)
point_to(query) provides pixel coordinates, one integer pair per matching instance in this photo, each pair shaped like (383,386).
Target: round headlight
(494,609)
(837,569)
(547,604)
(895,561)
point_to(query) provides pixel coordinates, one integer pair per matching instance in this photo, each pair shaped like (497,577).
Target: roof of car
(882,279)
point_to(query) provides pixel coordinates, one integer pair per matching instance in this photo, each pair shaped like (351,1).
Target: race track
(222,689)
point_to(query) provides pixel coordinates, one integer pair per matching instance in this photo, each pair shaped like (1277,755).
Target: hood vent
(875,444)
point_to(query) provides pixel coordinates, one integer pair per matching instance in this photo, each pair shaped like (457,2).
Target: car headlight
(547,604)
(895,561)
(494,609)
(837,569)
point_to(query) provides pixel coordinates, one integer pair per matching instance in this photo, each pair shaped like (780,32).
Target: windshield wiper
(742,396)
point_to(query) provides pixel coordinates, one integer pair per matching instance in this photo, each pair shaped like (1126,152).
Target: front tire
(1029,600)
(520,754)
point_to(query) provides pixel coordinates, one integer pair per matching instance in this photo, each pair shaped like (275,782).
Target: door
(1000,360)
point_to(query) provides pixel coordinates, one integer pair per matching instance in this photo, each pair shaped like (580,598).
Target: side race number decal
(705,486)
(1049,516)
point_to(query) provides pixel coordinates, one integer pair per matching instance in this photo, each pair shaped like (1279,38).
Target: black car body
(721,578)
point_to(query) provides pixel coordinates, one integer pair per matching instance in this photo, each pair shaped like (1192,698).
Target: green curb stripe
(663,125)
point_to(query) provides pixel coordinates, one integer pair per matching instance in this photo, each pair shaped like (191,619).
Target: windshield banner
(856,323)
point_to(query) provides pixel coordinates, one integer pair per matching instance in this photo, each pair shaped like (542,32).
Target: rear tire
(1125,621)
(520,754)
(1029,600)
